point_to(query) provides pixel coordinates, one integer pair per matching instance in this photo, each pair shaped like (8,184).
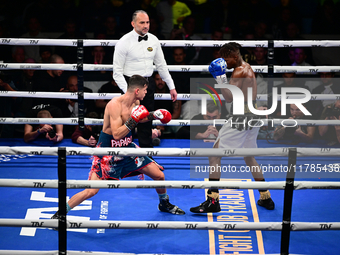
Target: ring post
(62,200)
(288,200)
(80,74)
(270,76)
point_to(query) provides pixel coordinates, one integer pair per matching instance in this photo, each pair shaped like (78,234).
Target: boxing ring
(211,228)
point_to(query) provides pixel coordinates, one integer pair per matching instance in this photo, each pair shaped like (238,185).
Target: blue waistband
(106,140)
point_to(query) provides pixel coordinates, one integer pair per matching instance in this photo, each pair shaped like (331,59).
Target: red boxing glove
(139,112)
(163,115)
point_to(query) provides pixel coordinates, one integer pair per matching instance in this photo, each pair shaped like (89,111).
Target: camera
(96,131)
(335,111)
(289,131)
(52,133)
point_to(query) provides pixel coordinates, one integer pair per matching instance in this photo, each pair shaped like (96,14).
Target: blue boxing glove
(218,69)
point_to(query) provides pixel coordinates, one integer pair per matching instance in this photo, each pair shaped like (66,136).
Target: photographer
(207,133)
(298,133)
(331,133)
(89,136)
(69,107)
(51,132)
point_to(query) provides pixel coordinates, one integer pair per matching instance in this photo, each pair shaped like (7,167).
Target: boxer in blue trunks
(114,167)
(121,115)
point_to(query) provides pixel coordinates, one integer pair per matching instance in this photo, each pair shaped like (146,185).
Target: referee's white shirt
(132,57)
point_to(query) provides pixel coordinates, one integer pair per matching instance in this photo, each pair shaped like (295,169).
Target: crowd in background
(169,20)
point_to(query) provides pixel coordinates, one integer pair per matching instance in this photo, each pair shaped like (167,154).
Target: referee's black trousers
(144,130)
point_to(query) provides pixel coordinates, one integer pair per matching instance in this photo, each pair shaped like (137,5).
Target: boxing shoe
(55,216)
(166,206)
(212,204)
(266,200)
(266,203)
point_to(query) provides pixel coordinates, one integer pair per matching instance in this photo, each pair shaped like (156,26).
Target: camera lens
(156,141)
(52,133)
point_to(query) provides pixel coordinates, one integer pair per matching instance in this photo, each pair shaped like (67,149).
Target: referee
(135,53)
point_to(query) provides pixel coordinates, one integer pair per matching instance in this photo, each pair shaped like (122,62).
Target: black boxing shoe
(57,217)
(210,205)
(266,203)
(166,206)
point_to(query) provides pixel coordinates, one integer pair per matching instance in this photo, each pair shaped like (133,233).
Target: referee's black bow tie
(140,38)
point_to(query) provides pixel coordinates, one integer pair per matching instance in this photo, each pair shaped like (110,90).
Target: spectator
(18,57)
(155,28)
(70,107)
(248,52)
(260,30)
(187,33)
(49,81)
(109,87)
(292,32)
(24,82)
(216,54)
(45,12)
(201,131)
(331,133)
(290,80)
(51,132)
(189,25)
(260,56)
(300,57)
(98,57)
(34,32)
(264,132)
(89,136)
(327,86)
(178,56)
(69,53)
(285,56)
(181,79)
(173,107)
(291,56)
(45,54)
(171,14)
(242,26)
(18,54)
(283,15)
(207,53)
(111,30)
(298,133)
